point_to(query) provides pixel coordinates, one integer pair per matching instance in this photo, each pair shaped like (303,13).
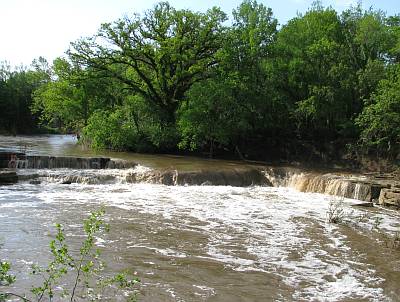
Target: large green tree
(330,63)
(314,75)
(158,56)
(237,99)
(74,94)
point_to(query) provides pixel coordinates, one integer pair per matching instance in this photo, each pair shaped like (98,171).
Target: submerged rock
(364,204)
(35,182)
(8,177)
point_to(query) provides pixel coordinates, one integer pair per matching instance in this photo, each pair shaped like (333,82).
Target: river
(202,243)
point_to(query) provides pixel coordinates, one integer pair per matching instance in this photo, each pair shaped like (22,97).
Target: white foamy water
(252,233)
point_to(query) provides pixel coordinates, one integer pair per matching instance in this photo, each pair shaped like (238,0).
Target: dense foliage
(174,80)
(16,88)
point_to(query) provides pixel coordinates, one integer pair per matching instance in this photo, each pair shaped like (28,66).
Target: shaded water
(66,145)
(209,243)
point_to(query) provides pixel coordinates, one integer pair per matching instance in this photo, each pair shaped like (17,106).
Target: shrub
(85,269)
(336,212)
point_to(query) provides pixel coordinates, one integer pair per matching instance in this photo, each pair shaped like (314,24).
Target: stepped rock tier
(374,188)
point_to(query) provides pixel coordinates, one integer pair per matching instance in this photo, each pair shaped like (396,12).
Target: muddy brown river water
(203,243)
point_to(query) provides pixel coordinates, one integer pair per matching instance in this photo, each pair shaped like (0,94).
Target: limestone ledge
(390,197)
(372,187)
(8,177)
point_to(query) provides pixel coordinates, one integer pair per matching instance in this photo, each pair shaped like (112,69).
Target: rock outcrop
(9,159)
(372,187)
(55,162)
(390,197)
(8,177)
(242,177)
(17,160)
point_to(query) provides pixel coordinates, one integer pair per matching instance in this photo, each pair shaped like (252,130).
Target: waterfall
(21,163)
(342,185)
(363,191)
(57,162)
(52,162)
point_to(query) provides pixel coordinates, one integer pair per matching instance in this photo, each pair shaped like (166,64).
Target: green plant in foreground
(72,277)
(336,212)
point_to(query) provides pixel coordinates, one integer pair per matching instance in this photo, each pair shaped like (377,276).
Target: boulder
(390,197)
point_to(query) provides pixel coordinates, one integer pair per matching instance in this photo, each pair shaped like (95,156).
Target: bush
(110,130)
(85,269)
(336,212)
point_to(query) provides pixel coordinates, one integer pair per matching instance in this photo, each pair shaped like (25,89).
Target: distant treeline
(171,80)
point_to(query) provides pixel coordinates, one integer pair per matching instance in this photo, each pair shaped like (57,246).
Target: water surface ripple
(208,243)
(199,243)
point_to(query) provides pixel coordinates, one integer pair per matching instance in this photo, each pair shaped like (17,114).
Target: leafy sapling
(72,277)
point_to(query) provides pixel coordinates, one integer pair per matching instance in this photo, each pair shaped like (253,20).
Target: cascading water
(252,238)
(347,186)
(331,184)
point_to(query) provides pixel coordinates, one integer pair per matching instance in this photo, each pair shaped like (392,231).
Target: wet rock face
(52,162)
(234,177)
(17,160)
(361,187)
(231,177)
(390,197)
(10,159)
(8,177)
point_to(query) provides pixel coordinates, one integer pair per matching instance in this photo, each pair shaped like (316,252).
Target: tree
(73,94)
(330,64)
(235,104)
(211,118)
(16,87)
(59,102)
(394,27)
(311,61)
(380,119)
(369,44)
(158,56)
(247,55)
